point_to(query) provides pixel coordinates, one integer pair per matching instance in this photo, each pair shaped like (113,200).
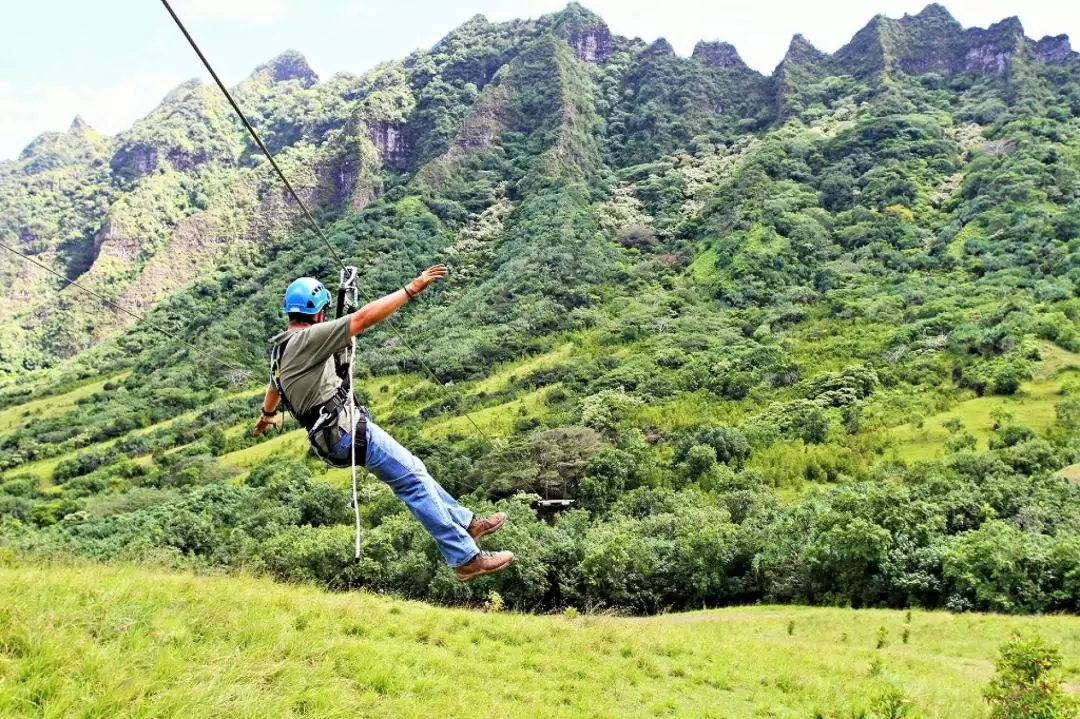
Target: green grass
(46,407)
(1034,406)
(109,641)
(503,374)
(689,409)
(293,440)
(498,420)
(703,268)
(43,468)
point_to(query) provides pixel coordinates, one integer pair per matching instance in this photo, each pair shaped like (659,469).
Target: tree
(997,568)
(1067,412)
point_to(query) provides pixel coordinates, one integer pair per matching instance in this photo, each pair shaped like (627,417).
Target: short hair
(301,317)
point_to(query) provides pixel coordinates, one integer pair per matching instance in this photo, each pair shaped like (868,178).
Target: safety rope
(121,308)
(307,214)
(352,448)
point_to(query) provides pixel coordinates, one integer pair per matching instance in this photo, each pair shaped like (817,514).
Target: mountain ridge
(193,130)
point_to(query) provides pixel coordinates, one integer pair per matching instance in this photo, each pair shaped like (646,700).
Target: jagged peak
(660,47)
(582,15)
(1054,49)
(78,138)
(79,125)
(1009,26)
(801,50)
(585,31)
(933,11)
(479,20)
(717,54)
(472,32)
(289,65)
(868,45)
(868,33)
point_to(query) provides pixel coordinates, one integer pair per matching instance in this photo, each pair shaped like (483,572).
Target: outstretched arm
(375,312)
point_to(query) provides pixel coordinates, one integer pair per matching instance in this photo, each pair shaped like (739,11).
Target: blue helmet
(306,296)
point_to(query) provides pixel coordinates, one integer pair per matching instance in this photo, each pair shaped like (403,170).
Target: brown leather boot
(483,563)
(479,526)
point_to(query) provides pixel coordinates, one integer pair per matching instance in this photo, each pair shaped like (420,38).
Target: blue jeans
(443,518)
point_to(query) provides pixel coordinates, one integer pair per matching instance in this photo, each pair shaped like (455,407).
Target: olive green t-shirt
(307,364)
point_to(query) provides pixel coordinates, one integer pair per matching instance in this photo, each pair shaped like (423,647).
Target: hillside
(124,642)
(811,337)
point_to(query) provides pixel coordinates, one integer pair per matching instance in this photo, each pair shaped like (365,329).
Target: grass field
(493,421)
(108,641)
(1034,406)
(12,417)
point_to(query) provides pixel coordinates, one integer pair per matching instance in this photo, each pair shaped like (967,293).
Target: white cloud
(111,108)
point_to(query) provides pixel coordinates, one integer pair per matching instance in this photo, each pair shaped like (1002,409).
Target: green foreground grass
(114,641)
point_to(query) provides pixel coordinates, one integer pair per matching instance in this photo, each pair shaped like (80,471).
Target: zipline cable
(121,308)
(303,206)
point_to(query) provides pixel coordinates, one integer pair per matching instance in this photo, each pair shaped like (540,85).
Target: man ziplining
(305,380)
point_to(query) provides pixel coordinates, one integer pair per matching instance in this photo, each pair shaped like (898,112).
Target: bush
(1067,412)
(604,410)
(1025,685)
(310,554)
(728,446)
(1009,376)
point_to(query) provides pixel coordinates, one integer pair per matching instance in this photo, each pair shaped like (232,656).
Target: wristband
(275,413)
(411,295)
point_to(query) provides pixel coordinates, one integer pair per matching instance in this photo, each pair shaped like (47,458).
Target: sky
(112,61)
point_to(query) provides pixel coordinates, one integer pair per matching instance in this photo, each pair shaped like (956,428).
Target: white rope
(352,448)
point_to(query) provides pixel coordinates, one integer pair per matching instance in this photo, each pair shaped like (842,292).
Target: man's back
(307,367)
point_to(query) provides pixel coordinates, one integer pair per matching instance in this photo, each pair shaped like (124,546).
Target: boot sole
(482,572)
(494,529)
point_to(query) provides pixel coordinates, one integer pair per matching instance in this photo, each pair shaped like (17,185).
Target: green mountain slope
(809,337)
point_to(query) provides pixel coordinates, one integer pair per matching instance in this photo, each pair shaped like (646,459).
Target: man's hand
(427,277)
(375,312)
(265,422)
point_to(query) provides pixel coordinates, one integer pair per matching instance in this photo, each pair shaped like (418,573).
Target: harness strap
(275,375)
(320,421)
(324,418)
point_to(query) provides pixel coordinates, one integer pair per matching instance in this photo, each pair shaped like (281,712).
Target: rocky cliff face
(592,45)
(586,34)
(391,141)
(990,50)
(1054,50)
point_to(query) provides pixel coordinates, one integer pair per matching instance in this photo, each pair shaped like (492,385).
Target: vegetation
(122,641)
(812,338)
(1025,684)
